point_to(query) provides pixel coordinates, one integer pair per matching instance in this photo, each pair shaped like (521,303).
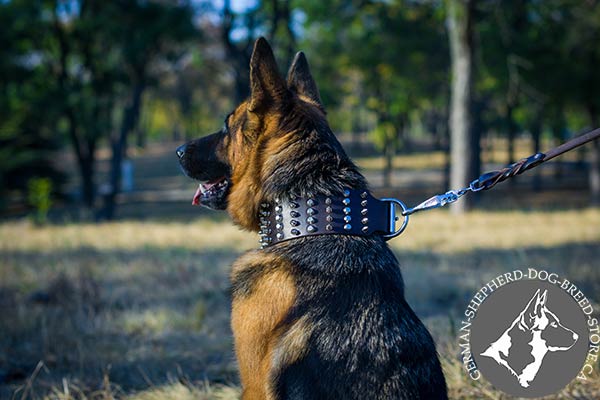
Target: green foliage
(27,103)
(388,58)
(384,134)
(67,72)
(39,192)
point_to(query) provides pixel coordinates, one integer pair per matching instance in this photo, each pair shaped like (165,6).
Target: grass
(140,309)
(437,230)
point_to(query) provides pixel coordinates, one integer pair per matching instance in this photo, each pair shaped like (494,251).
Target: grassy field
(140,309)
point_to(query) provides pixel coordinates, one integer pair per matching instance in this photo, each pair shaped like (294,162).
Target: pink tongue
(196,200)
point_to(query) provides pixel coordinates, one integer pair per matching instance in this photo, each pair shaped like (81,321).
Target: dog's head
(266,143)
(537,317)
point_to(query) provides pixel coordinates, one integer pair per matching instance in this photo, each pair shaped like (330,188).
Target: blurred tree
(28,138)
(81,58)
(460,32)
(557,33)
(239,50)
(582,28)
(400,52)
(281,31)
(144,32)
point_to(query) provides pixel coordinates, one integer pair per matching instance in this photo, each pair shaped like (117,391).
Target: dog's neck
(353,212)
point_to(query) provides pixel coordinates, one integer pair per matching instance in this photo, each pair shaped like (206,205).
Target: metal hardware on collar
(437,201)
(392,218)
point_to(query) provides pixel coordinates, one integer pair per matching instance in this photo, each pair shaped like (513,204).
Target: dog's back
(348,333)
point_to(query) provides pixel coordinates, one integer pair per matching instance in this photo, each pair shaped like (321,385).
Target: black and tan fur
(319,317)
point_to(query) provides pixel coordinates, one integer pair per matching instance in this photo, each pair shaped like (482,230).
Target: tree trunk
(87,182)
(594,174)
(85,156)
(511,130)
(447,156)
(558,129)
(141,134)
(477,127)
(536,133)
(460,30)
(291,43)
(389,153)
(119,148)
(84,148)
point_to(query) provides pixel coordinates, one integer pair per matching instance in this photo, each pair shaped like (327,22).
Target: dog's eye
(554,325)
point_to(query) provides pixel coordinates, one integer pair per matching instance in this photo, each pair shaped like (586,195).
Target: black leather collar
(357,213)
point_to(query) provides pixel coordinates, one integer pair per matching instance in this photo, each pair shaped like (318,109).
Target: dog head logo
(537,328)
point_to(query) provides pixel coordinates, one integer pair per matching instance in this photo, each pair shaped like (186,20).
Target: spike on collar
(355,213)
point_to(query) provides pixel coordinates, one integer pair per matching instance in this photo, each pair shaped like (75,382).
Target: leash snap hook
(394,204)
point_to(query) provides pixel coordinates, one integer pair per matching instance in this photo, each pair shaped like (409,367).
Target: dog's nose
(180,151)
(575,336)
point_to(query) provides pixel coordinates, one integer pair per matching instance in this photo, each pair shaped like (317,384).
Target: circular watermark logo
(530,333)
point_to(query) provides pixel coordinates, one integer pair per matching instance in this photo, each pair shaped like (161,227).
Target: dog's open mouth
(212,193)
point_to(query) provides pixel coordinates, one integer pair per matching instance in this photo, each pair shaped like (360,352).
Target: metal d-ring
(393,218)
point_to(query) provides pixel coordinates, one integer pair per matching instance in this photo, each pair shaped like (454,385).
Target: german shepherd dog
(316,317)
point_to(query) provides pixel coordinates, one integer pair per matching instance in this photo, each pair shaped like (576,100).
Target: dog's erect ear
(529,312)
(535,307)
(266,84)
(300,80)
(540,303)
